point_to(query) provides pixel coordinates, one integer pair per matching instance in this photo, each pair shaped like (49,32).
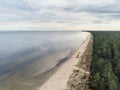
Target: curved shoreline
(59,80)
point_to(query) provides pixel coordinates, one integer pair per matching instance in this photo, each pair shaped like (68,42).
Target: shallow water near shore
(27,59)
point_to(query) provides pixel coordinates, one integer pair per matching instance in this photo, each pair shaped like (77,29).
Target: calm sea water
(27,59)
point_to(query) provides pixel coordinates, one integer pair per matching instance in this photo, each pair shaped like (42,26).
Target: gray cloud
(67,12)
(101,10)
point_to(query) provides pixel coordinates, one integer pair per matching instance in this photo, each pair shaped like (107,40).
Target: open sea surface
(27,59)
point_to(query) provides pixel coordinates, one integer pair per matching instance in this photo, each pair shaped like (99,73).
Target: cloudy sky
(59,15)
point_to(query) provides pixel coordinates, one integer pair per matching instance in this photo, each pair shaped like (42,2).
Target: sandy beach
(58,81)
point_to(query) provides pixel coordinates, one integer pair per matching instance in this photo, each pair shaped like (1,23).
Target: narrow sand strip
(59,80)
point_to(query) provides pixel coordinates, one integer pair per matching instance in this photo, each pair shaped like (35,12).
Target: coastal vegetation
(105,67)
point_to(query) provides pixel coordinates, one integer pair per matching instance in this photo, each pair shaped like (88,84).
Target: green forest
(105,68)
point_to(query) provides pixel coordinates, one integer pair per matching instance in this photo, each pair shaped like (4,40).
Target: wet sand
(59,79)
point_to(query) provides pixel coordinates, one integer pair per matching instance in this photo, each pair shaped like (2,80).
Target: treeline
(105,68)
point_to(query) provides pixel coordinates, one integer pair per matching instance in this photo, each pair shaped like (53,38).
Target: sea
(29,58)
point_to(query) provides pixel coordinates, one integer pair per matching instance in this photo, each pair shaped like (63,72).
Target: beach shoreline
(59,79)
